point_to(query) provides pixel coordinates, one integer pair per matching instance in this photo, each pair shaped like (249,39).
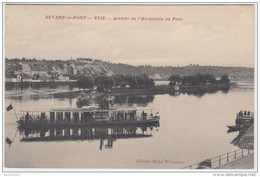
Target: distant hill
(235,73)
(54,68)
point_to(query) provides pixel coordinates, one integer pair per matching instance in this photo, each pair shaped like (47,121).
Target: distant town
(33,70)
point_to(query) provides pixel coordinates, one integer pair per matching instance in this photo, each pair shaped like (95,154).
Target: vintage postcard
(129,86)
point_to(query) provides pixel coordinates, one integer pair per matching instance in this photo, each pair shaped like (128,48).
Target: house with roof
(38,69)
(84,60)
(63,78)
(26,69)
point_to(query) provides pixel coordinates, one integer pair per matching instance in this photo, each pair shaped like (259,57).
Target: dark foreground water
(192,129)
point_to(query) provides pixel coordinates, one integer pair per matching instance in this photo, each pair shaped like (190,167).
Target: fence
(221,159)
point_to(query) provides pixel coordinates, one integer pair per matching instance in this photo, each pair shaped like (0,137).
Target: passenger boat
(107,114)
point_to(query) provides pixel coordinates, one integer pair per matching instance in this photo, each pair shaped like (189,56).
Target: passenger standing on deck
(240,114)
(27,117)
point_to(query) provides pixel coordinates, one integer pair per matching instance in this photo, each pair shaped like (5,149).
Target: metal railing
(221,159)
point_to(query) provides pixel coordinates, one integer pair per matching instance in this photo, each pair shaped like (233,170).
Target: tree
(151,82)
(104,82)
(224,79)
(85,82)
(132,81)
(36,76)
(140,81)
(199,79)
(174,78)
(123,84)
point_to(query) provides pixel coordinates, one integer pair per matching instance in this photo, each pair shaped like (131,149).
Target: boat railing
(245,116)
(100,115)
(221,159)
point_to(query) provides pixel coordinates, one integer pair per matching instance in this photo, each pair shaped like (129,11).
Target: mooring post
(248,150)
(227,157)
(190,166)
(219,160)
(242,153)
(235,154)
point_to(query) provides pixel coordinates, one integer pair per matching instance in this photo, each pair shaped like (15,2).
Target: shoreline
(243,141)
(157,89)
(161,89)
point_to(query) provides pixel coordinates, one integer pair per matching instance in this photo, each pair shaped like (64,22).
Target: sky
(221,35)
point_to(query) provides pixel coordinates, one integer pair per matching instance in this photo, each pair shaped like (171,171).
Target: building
(84,60)
(64,78)
(156,76)
(26,69)
(38,69)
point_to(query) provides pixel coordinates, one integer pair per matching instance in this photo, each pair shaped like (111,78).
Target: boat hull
(234,128)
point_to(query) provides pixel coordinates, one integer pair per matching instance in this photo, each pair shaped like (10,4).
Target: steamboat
(106,114)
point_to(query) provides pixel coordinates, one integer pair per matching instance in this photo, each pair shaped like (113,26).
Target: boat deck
(91,123)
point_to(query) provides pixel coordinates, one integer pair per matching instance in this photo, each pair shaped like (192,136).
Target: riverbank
(244,140)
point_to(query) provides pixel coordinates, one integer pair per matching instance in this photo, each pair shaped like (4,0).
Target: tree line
(198,79)
(119,81)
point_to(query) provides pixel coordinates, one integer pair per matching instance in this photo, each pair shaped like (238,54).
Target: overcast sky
(220,35)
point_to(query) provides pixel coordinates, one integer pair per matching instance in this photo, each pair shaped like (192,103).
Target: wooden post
(190,166)
(15,114)
(242,153)
(227,157)
(219,160)
(248,150)
(235,154)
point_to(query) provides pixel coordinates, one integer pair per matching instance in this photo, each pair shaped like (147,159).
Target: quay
(221,160)
(246,162)
(242,158)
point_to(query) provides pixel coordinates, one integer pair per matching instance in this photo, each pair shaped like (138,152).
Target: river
(192,129)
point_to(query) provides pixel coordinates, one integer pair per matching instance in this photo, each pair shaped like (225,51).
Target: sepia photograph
(127,86)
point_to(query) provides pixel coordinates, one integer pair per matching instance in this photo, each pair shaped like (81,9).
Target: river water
(192,129)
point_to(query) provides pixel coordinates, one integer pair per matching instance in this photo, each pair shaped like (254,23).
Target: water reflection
(141,100)
(106,135)
(36,92)
(200,91)
(39,86)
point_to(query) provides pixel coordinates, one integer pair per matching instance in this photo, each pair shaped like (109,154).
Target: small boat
(234,128)
(205,164)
